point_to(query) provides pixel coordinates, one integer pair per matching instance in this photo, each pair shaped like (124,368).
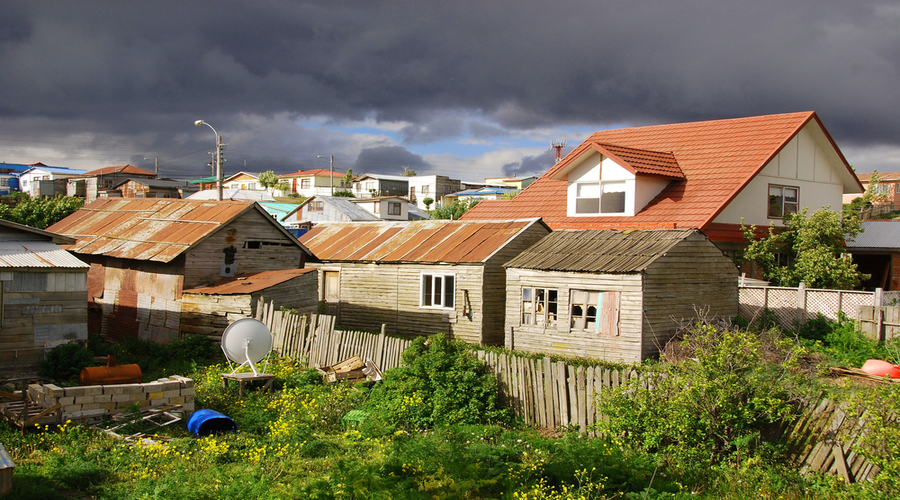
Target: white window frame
(601,186)
(784,204)
(428,282)
(394,208)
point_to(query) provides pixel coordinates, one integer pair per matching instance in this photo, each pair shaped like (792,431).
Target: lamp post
(331,180)
(218,158)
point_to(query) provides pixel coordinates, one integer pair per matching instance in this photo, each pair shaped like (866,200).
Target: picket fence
(555,395)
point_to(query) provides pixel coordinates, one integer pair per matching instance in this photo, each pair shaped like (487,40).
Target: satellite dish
(247,341)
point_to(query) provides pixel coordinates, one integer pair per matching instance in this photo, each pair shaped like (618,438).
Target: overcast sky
(469,89)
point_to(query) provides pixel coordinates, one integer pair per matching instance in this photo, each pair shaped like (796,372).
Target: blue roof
(484,191)
(59,170)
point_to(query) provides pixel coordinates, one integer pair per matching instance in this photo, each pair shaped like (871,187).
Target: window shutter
(609,313)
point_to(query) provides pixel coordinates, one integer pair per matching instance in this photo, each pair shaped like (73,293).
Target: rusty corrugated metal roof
(147,229)
(29,254)
(414,241)
(599,251)
(249,283)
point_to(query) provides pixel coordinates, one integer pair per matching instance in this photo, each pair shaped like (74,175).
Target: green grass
(291,443)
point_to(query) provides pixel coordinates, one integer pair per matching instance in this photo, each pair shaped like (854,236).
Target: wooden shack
(209,310)
(144,253)
(419,277)
(43,295)
(614,295)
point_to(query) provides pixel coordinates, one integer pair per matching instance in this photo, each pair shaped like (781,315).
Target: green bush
(64,362)
(712,402)
(440,382)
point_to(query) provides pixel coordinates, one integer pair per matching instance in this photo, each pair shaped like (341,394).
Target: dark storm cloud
(388,160)
(532,165)
(127,68)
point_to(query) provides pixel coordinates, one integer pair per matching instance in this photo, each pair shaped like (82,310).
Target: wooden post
(801,303)
(879,297)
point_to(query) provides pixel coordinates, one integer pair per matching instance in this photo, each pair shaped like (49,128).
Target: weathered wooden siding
(693,277)
(41,309)
(140,299)
(560,340)
(376,294)
(210,314)
(494,293)
(275,251)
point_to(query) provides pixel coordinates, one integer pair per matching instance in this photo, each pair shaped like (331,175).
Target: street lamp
(331,180)
(218,158)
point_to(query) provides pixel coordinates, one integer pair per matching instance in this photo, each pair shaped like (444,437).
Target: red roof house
(709,175)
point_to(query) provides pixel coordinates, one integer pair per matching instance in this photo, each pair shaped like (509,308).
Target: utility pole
(156,170)
(219,177)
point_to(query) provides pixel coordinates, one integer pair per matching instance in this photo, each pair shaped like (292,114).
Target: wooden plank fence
(879,322)
(555,394)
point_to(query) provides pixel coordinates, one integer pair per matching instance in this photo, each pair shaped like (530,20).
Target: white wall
(803,164)
(594,168)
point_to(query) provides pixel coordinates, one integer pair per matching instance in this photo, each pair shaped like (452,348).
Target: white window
(539,306)
(594,311)
(605,197)
(316,206)
(783,200)
(304,183)
(377,207)
(251,185)
(438,290)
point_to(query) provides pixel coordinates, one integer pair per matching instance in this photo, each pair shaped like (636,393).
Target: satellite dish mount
(247,341)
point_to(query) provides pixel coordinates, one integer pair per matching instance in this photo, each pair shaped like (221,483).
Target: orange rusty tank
(110,374)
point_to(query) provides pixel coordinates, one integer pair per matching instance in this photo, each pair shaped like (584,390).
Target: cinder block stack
(98,400)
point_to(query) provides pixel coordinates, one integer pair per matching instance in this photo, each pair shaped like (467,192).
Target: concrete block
(155,395)
(108,405)
(101,398)
(188,391)
(54,390)
(71,408)
(91,406)
(172,394)
(159,402)
(171,386)
(92,390)
(153,387)
(84,400)
(188,407)
(66,400)
(189,399)
(74,391)
(118,398)
(176,401)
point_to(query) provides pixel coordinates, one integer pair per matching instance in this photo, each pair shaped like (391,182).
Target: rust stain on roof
(416,241)
(250,283)
(146,229)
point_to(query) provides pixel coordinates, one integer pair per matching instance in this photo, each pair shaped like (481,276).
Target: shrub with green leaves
(65,362)
(440,382)
(714,400)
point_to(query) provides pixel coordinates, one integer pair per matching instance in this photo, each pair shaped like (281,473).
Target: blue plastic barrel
(205,422)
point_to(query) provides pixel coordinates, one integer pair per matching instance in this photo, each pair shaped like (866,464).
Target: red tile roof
(883,176)
(717,158)
(315,171)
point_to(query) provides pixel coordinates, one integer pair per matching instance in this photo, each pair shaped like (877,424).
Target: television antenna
(558,144)
(247,341)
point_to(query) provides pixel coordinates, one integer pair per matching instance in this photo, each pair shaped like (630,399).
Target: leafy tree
(454,210)
(874,194)
(344,194)
(41,212)
(807,249)
(348,179)
(408,172)
(509,195)
(268,179)
(428,201)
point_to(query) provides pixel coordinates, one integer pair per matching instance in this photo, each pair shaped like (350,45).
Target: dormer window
(604,197)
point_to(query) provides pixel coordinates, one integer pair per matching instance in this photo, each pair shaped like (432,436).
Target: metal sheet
(26,254)
(148,229)
(250,283)
(599,251)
